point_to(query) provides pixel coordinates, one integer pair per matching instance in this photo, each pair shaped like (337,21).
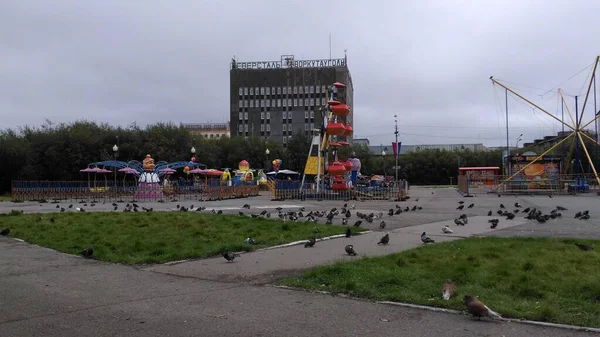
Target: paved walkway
(263,266)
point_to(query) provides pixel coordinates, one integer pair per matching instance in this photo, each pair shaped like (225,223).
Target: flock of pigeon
(345,212)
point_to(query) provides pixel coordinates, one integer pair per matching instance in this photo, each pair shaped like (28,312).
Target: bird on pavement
(478,309)
(230,256)
(382,225)
(426,239)
(384,240)
(310,243)
(448,290)
(350,250)
(447,230)
(246,206)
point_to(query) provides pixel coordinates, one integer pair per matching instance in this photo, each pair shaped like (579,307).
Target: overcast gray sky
(428,61)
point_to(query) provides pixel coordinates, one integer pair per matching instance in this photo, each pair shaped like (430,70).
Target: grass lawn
(156,237)
(5,197)
(533,278)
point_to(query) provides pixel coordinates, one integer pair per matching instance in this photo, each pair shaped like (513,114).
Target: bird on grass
(310,243)
(384,240)
(426,239)
(348,232)
(579,245)
(476,308)
(88,252)
(230,256)
(350,250)
(5,232)
(448,290)
(250,240)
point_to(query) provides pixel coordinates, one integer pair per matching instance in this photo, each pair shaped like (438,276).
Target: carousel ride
(148,173)
(342,173)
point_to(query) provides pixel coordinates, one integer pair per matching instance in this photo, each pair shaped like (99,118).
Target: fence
(562,184)
(115,191)
(286,189)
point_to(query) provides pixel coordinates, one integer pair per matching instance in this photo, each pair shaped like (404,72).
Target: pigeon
(348,232)
(310,243)
(5,232)
(471,206)
(584,217)
(579,245)
(384,240)
(448,290)
(461,202)
(478,309)
(250,240)
(350,250)
(246,206)
(344,222)
(382,225)
(88,252)
(447,230)
(391,212)
(426,239)
(459,222)
(230,256)
(494,223)
(490,213)
(357,223)
(502,206)
(460,207)
(560,208)
(517,205)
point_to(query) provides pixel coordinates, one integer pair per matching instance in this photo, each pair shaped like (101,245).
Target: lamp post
(397,148)
(115,154)
(267,152)
(383,153)
(517,144)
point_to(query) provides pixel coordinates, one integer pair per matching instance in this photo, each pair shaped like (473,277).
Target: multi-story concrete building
(208,130)
(275,99)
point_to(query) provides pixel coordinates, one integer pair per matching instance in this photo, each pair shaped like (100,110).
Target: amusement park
(326,175)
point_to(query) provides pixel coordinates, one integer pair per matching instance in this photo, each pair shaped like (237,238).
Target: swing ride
(577,133)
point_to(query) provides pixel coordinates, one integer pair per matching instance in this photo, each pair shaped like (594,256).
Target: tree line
(59,151)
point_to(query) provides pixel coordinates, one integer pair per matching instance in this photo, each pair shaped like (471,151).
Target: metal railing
(561,184)
(111,191)
(288,189)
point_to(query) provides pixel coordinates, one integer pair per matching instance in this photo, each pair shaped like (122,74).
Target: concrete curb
(448,311)
(524,321)
(295,243)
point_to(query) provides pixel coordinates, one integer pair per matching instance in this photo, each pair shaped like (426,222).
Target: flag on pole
(396,148)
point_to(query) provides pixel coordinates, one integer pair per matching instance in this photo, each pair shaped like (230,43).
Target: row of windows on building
(213,135)
(267,127)
(267,103)
(300,90)
(285,115)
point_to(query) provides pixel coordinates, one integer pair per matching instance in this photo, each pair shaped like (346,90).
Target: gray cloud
(427,61)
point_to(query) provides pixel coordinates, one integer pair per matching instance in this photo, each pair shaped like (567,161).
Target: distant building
(275,99)
(360,141)
(404,149)
(208,130)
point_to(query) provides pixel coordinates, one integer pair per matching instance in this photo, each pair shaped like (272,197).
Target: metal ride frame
(577,127)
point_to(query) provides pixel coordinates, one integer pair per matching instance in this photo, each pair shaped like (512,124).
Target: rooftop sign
(288,62)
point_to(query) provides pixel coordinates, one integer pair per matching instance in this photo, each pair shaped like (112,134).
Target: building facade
(276,99)
(208,130)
